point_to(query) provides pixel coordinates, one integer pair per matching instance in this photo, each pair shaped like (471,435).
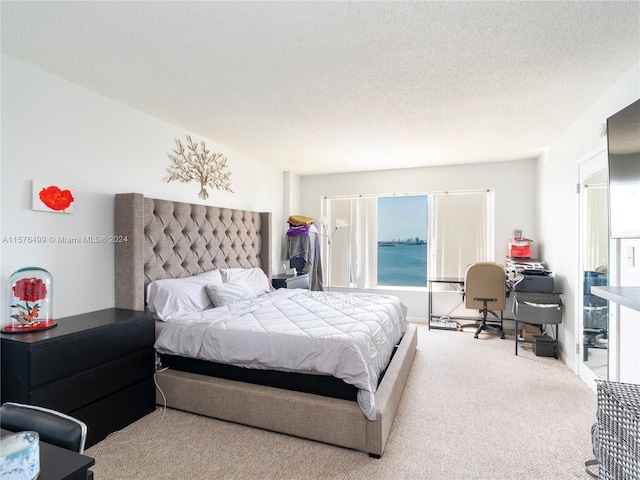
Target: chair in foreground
(485,290)
(53,427)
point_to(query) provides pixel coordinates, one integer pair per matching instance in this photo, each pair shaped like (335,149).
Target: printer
(534,281)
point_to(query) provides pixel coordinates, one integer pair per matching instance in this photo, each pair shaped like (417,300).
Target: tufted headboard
(165,239)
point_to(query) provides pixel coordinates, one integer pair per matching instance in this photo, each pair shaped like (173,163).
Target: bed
(175,240)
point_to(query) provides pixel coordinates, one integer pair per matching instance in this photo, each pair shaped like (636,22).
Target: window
(437,235)
(402,240)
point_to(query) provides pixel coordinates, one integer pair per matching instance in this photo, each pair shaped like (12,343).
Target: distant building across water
(409,241)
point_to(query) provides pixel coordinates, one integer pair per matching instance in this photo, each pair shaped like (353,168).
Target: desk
(458,284)
(61,464)
(455,282)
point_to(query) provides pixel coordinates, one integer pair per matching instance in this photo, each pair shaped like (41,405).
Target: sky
(400,218)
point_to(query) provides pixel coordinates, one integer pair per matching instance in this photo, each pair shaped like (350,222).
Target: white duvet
(348,335)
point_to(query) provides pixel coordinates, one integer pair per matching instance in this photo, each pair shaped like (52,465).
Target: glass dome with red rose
(30,300)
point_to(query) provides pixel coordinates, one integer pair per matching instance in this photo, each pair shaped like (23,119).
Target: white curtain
(462,232)
(351,253)
(597,232)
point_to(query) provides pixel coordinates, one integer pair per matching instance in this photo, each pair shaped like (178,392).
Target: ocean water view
(402,264)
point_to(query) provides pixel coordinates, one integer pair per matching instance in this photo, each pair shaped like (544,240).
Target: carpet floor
(471,410)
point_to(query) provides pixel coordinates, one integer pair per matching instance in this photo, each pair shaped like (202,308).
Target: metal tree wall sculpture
(192,161)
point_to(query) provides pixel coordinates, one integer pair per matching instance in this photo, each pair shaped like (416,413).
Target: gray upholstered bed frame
(167,239)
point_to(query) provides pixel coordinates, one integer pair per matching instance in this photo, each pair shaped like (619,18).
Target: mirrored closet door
(595,266)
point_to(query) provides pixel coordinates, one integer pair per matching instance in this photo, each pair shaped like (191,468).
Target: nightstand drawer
(116,411)
(61,359)
(81,389)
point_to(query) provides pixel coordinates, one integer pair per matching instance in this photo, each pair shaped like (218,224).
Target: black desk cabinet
(97,367)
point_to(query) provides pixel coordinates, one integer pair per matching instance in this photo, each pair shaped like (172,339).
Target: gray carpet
(471,410)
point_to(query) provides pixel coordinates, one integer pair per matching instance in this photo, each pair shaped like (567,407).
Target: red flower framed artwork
(52,198)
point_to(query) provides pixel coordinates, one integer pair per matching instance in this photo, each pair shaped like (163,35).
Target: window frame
(344,250)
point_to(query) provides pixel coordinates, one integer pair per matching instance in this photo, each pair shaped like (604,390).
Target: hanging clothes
(303,247)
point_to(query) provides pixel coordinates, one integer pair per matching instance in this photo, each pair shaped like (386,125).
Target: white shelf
(626,296)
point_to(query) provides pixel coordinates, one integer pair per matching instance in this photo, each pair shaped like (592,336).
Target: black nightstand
(281,280)
(97,367)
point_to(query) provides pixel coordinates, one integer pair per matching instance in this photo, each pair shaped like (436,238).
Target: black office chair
(53,427)
(485,290)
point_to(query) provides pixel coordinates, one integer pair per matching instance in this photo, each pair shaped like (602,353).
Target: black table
(60,464)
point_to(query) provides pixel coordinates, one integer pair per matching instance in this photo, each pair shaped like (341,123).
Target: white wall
(558,214)
(514,183)
(55,131)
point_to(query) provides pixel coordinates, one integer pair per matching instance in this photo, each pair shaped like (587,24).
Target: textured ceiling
(317,87)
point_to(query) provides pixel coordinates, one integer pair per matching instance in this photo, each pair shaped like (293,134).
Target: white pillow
(254,277)
(230,292)
(172,297)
